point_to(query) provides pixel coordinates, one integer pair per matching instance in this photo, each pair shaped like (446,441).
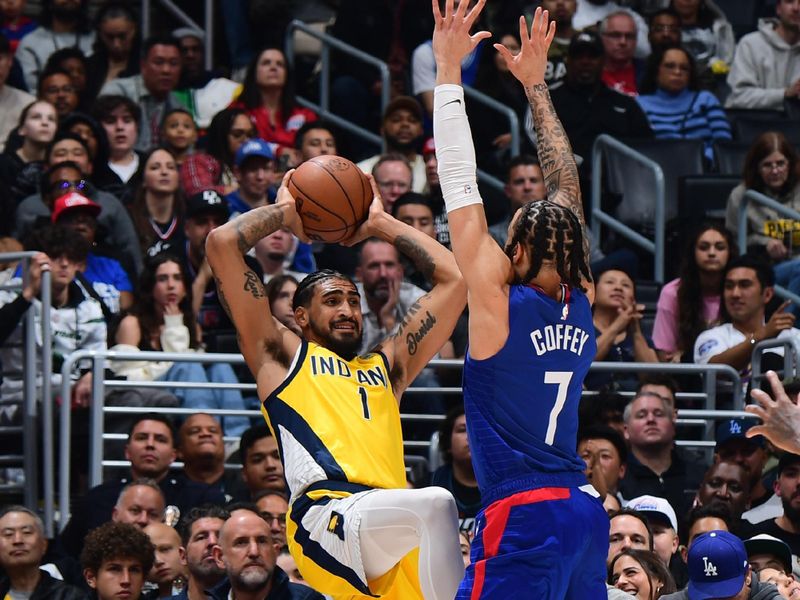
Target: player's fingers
(523,30)
(286,177)
(437,14)
(537,17)
(374,185)
(762,399)
(756,430)
(504,52)
(448,9)
(473,15)
(551,33)
(543,23)
(480,36)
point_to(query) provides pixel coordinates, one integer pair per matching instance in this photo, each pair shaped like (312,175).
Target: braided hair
(551,232)
(305,289)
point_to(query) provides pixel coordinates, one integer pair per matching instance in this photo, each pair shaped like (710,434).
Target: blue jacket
(282,589)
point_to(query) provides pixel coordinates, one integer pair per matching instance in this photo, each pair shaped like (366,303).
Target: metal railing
(759,198)
(323,107)
(175,10)
(789,359)
(605,143)
(100,385)
(30,410)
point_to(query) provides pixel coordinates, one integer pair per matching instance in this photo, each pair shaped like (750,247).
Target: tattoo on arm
(415,327)
(555,155)
(257,224)
(222,300)
(418,255)
(253,285)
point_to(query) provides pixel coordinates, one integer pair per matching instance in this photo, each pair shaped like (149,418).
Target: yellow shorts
(322,533)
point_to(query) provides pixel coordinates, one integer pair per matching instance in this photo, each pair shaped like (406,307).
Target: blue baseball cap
(735,429)
(254,147)
(717,566)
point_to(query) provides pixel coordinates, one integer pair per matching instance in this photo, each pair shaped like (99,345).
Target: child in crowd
(179,133)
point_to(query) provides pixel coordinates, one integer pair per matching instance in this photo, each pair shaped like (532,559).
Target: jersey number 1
(362,393)
(562,379)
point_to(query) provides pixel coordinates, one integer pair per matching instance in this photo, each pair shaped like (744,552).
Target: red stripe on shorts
(496,519)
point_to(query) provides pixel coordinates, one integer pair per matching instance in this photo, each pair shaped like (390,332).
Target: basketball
(332,197)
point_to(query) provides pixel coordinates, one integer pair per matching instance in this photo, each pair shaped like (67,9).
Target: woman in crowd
(773,169)
(705,32)
(21,166)
(689,304)
(229,129)
(617,323)
(116,48)
(268,97)
(674,105)
(641,574)
(157,210)
(162,320)
(457,474)
(280,293)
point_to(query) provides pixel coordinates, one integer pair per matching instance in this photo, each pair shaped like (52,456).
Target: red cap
(428,147)
(71,201)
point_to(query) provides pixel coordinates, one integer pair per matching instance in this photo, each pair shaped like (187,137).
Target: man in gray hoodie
(766,67)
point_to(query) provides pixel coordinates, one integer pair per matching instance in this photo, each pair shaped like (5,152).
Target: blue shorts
(550,543)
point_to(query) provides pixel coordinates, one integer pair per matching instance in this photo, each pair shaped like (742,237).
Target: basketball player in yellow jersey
(352,527)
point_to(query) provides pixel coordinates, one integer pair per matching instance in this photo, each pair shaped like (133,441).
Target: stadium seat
(746,130)
(730,157)
(742,14)
(702,197)
(636,183)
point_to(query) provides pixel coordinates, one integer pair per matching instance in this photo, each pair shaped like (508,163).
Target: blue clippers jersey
(522,403)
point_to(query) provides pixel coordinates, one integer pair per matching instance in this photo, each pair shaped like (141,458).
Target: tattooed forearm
(253,285)
(415,326)
(555,153)
(418,255)
(257,224)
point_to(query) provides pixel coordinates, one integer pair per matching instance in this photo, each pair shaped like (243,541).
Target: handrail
(30,427)
(99,385)
(605,142)
(759,198)
(323,107)
(208,30)
(789,358)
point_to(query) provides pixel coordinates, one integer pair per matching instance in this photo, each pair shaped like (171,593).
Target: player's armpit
(241,292)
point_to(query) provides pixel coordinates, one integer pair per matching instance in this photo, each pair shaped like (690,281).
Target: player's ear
(301,316)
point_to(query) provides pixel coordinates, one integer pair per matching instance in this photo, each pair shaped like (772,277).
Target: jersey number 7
(561,379)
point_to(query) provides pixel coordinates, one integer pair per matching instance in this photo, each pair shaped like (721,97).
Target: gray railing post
(606,143)
(759,198)
(97,424)
(29,408)
(789,358)
(47,402)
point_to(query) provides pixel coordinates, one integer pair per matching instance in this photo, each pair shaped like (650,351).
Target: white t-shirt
(125,172)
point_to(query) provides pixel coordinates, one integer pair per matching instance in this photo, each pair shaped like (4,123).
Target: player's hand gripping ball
(332,196)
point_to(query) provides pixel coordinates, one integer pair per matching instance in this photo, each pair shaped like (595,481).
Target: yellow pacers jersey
(337,420)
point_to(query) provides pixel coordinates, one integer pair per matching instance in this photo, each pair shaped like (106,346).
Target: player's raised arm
(430,321)
(262,339)
(482,262)
(553,147)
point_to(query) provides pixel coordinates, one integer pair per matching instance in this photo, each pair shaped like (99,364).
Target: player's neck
(656,458)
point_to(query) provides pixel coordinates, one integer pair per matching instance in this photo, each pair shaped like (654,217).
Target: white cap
(654,505)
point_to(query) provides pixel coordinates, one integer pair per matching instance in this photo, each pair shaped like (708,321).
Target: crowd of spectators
(120,154)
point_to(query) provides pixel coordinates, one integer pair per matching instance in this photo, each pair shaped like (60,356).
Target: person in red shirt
(621,72)
(268,97)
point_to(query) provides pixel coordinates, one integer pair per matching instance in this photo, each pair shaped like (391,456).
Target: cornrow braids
(305,289)
(551,232)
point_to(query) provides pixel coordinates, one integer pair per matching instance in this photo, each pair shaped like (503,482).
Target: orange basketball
(332,196)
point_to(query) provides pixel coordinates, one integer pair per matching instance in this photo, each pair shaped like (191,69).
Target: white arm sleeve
(455,152)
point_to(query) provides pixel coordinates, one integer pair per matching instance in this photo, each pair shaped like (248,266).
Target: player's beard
(347,348)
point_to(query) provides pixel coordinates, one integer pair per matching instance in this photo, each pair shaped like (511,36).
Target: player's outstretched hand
(291,220)
(530,64)
(781,416)
(451,38)
(371,226)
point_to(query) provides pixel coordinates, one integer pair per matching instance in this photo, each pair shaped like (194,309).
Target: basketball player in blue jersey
(543,532)
(351,529)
